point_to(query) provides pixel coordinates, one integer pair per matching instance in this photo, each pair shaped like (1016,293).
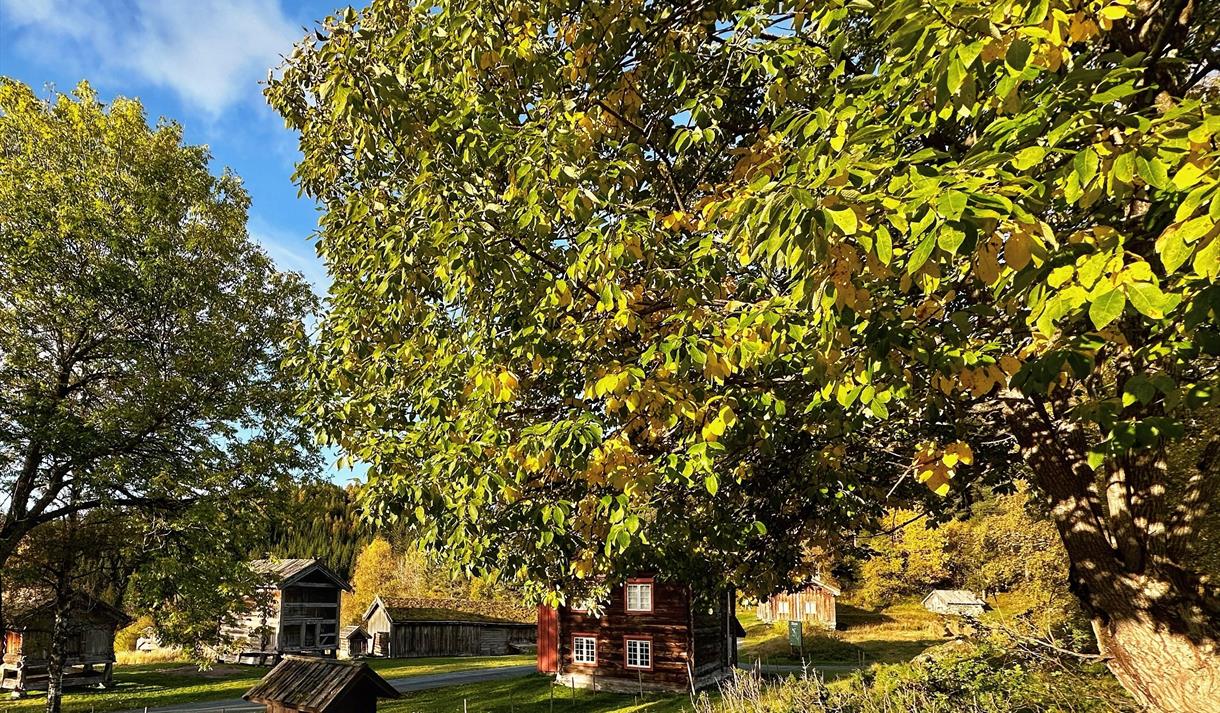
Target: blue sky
(198,62)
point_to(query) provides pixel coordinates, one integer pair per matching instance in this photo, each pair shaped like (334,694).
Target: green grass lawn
(532,694)
(162,684)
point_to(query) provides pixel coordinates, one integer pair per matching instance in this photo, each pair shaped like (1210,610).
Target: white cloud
(211,53)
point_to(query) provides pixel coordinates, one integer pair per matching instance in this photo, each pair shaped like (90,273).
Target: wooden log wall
(812,606)
(668,625)
(710,615)
(420,639)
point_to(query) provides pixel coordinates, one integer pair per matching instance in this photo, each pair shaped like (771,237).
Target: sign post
(796,637)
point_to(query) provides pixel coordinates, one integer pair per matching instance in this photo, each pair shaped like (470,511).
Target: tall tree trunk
(59,646)
(1155,620)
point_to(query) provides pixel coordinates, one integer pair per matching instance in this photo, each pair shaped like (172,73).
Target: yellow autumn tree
(373,574)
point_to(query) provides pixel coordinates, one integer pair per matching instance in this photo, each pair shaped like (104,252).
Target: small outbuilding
(410,627)
(353,642)
(814,604)
(307,684)
(89,645)
(300,614)
(956,602)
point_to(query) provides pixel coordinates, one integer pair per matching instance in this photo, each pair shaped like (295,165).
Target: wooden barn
(301,615)
(307,684)
(815,604)
(651,635)
(412,627)
(30,620)
(956,602)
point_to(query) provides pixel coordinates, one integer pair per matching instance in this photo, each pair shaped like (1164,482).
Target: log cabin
(412,627)
(815,604)
(650,635)
(299,613)
(89,646)
(307,684)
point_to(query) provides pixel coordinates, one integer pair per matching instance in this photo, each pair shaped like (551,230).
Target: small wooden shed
(353,642)
(956,602)
(409,627)
(814,604)
(307,684)
(30,621)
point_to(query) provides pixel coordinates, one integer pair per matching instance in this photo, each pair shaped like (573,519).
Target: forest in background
(320,520)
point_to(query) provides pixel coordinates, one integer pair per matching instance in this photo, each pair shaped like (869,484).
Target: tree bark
(59,645)
(1156,621)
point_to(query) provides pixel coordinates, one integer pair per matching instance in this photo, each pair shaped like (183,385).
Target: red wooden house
(651,635)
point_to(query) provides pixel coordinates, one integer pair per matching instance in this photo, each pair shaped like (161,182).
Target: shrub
(125,639)
(983,678)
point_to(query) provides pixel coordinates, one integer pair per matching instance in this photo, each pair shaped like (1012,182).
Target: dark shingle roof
(286,571)
(312,684)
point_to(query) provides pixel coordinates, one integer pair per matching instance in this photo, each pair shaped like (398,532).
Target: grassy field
(894,634)
(162,684)
(532,694)
(889,635)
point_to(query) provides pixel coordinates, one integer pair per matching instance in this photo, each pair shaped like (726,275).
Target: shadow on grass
(851,616)
(136,689)
(531,694)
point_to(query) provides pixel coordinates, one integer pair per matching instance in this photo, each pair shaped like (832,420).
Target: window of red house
(584,650)
(639,654)
(639,595)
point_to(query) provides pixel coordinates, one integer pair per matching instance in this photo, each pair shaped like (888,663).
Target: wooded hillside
(318,520)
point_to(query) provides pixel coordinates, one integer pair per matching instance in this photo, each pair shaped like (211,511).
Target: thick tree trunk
(1157,623)
(1163,669)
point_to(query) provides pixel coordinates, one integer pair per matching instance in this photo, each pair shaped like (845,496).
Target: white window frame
(584,644)
(783,607)
(639,587)
(643,654)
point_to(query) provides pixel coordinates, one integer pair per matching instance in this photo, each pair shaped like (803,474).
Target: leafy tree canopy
(141,335)
(620,283)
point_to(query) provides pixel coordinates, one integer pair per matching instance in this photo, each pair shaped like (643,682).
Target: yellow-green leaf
(845,219)
(1106,308)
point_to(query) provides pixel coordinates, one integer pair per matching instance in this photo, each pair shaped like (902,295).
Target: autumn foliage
(701,285)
